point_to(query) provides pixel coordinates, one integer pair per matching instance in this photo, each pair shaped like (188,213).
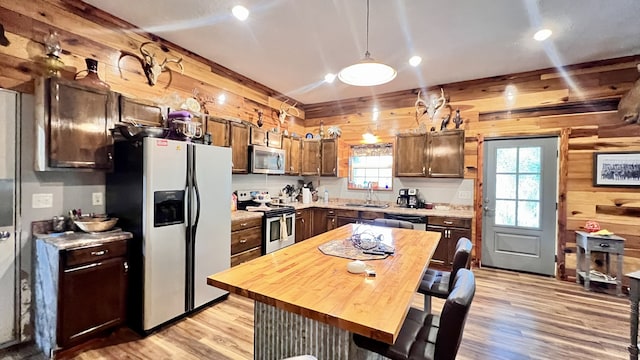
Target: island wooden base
(280,334)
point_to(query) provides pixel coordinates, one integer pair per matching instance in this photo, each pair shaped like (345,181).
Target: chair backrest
(454,315)
(393,223)
(461,258)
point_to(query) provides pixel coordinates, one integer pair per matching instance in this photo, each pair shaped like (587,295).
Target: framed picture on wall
(616,169)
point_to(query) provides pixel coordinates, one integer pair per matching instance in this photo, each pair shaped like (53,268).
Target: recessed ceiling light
(329,77)
(240,12)
(222,98)
(542,35)
(415,61)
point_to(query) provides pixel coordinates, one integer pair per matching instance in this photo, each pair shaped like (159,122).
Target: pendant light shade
(367,72)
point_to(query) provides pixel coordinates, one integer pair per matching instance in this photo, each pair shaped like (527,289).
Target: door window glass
(518,181)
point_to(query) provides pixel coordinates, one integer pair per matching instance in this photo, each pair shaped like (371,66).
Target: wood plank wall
(577,105)
(545,103)
(88,32)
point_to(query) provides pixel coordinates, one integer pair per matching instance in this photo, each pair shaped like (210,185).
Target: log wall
(88,32)
(578,105)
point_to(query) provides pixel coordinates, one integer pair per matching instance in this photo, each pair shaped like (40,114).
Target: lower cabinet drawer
(95,253)
(245,239)
(246,256)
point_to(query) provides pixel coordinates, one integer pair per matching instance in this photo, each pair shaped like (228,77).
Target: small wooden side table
(634,296)
(585,244)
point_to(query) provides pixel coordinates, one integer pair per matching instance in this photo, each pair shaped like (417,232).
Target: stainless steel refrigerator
(175,198)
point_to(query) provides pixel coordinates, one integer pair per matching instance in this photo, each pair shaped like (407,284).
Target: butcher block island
(308,303)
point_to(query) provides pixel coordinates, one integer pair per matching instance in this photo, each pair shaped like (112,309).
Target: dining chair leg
(427,304)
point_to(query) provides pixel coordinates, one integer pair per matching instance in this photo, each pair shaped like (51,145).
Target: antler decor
(431,107)
(286,111)
(150,65)
(629,105)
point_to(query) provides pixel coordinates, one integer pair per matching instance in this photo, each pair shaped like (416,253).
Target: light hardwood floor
(513,316)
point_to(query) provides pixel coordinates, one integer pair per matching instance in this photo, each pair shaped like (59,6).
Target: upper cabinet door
(239,135)
(310,157)
(219,130)
(79,119)
(140,112)
(294,162)
(446,154)
(329,156)
(258,136)
(410,156)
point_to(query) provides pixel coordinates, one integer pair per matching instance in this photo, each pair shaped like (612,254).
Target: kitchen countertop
(78,239)
(439,210)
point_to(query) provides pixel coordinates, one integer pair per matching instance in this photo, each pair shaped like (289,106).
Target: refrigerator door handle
(197,191)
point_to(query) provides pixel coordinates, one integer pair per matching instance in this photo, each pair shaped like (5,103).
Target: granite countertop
(439,210)
(245,215)
(78,239)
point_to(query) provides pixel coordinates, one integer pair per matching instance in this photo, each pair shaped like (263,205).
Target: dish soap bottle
(326,195)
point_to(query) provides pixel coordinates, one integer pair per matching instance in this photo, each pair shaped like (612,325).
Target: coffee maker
(412,198)
(403,198)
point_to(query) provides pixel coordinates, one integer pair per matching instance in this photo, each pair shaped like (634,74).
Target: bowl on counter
(95,224)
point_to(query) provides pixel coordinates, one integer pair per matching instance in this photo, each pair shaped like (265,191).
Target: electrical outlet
(96,199)
(41,201)
(464,194)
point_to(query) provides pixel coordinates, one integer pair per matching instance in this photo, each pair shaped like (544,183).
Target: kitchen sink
(378,206)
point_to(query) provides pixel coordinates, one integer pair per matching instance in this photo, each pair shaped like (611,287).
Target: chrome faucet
(369,193)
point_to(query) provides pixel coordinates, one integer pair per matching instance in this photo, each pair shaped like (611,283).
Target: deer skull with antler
(430,107)
(150,65)
(286,111)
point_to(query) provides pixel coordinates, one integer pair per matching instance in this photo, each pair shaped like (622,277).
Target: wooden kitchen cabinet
(274,139)
(319,223)
(141,112)
(445,152)
(303,224)
(291,147)
(451,230)
(344,217)
(92,291)
(219,130)
(329,157)
(411,155)
(246,240)
(310,154)
(258,136)
(332,221)
(73,123)
(435,154)
(239,137)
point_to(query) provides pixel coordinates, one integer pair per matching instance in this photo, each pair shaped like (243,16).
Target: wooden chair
(393,223)
(437,283)
(425,336)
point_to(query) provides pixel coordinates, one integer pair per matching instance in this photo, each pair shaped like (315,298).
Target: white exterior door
(8,261)
(519,210)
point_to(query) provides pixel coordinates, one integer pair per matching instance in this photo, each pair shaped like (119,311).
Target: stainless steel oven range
(278,221)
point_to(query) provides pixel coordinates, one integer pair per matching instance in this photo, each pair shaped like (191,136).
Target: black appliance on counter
(278,221)
(408,198)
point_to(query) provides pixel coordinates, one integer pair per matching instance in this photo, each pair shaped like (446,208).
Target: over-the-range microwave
(267,160)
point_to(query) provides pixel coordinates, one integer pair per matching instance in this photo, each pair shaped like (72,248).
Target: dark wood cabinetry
(451,230)
(329,157)
(445,152)
(73,123)
(246,240)
(219,130)
(258,136)
(310,154)
(141,112)
(291,147)
(319,157)
(332,220)
(411,155)
(92,291)
(239,137)
(303,224)
(435,154)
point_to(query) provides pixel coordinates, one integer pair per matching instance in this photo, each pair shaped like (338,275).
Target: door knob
(4,235)
(486,208)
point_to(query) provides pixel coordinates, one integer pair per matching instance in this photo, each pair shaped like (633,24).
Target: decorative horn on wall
(150,65)
(629,106)
(430,107)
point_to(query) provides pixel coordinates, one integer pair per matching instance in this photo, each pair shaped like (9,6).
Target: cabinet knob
(604,245)
(448,222)
(125,265)
(99,253)
(423,170)
(334,171)
(243,224)
(243,241)
(302,220)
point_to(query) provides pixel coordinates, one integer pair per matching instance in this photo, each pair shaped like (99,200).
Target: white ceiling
(289,45)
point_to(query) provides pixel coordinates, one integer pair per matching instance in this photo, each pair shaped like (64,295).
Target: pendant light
(367,72)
